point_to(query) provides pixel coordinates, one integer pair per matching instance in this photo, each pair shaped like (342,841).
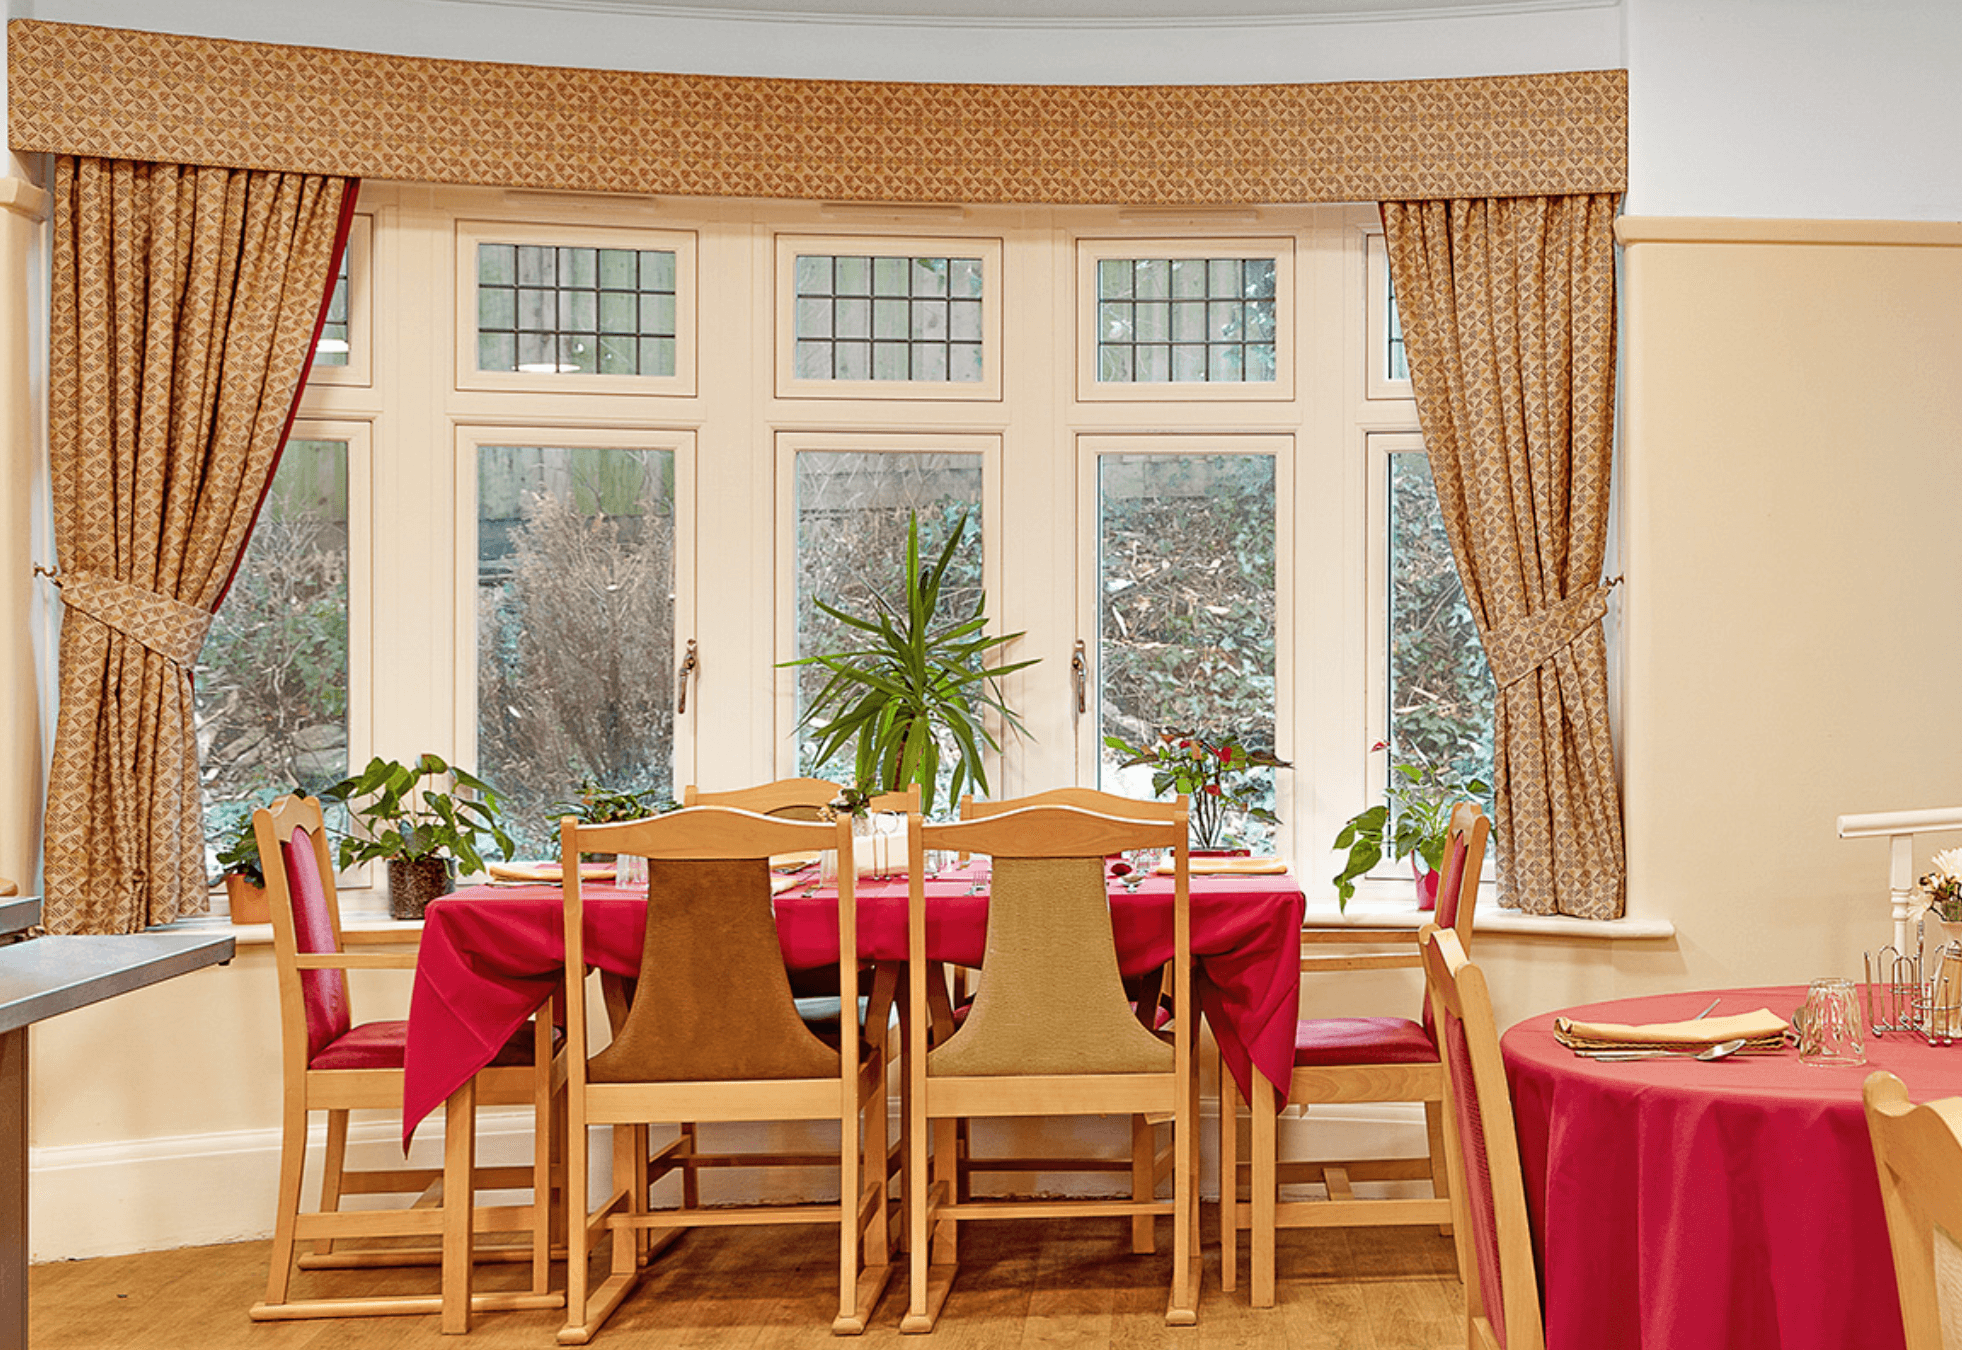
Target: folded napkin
(1759,1030)
(547,871)
(1233,867)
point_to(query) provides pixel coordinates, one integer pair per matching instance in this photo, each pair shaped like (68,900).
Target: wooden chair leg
(1229,1181)
(1183,1310)
(1263,1109)
(292,1163)
(1144,1184)
(333,1167)
(1440,1170)
(459,1206)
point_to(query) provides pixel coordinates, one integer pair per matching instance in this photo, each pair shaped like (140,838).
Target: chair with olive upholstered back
(1488,1189)
(1917,1151)
(336,1065)
(1147,992)
(713,1034)
(1051,1031)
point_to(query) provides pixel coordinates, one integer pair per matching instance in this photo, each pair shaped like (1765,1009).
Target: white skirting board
(192,1190)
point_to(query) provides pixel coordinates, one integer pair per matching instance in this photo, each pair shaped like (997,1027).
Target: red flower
(1226,754)
(1380,745)
(1213,789)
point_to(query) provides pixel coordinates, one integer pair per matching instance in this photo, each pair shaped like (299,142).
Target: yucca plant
(920,679)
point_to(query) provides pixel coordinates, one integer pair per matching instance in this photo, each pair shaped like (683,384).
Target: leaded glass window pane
(852,513)
(923,315)
(545,310)
(1185,320)
(1396,361)
(1441,695)
(331,348)
(271,678)
(1186,600)
(575,627)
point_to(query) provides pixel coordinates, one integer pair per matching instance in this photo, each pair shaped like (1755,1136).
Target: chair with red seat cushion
(337,1065)
(1351,1059)
(1488,1188)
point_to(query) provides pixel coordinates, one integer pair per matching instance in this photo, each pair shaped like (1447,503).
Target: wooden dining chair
(336,1065)
(1343,1060)
(1147,1163)
(1488,1189)
(1917,1151)
(713,1034)
(1051,1032)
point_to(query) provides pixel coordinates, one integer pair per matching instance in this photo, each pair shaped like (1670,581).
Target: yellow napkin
(1760,1030)
(1230,867)
(546,871)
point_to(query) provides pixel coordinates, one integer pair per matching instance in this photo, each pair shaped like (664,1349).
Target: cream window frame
(788,246)
(1287,305)
(1376,325)
(682,242)
(360,264)
(789,444)
(472,438)
(1281,448)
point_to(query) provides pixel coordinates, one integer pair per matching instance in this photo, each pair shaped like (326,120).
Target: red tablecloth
(491,955)
(1686,1206)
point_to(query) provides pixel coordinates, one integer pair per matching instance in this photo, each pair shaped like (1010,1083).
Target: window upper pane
(1186,320)
(332,347)
(549,310)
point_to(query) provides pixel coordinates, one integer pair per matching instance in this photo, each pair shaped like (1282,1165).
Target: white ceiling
(1074,13)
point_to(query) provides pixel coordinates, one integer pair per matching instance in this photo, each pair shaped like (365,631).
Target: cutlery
(1721,1050)
(1707,1011)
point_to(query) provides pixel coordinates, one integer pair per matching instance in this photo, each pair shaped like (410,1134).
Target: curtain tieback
(1520,648)
(170,628)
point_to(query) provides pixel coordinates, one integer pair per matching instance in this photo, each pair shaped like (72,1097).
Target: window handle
(688,667)
(1080,677)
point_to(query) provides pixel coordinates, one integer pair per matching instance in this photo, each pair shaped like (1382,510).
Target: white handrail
(1900,827)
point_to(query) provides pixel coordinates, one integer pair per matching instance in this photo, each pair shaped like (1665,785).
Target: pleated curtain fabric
(1508,314)
(184,308)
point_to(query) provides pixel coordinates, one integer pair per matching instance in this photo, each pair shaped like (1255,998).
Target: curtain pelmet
(184,306)
(1508,311)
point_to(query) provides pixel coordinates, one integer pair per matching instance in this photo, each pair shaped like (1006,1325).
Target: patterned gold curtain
(1508,312)
(185,303)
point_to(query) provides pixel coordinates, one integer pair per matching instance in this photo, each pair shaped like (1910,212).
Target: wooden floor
(1068,1283)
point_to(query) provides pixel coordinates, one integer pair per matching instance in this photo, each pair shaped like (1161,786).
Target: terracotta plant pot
(247,900)
(414,882)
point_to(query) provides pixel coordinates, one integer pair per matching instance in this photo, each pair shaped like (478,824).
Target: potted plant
(1417,828)
(1214,772)
(244,876)
(919,688)
(418,820)
(596,804)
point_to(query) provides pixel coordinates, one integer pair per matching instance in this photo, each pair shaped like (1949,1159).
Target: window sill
(1368,913)
(361,925)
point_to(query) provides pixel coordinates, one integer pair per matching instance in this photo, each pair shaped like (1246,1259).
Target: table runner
(491,955)
(1701,1206)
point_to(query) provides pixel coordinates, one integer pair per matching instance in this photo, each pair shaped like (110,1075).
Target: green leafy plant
(413,813)
(919,687)
(1213,772)
(1416,819)
(596,804)
(237,846)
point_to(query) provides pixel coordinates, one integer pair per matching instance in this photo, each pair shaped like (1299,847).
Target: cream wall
(1789,449)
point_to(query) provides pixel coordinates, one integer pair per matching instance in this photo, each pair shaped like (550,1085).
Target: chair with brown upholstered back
(1147,993)
(1351,1059)
(336,1065)
(1051,1031)
(1488,1190)
(713,1035)
(1917,1151)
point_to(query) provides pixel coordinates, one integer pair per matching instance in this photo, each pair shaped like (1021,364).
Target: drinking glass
(1828,1024)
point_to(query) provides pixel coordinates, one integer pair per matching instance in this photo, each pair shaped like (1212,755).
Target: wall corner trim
(1630,230)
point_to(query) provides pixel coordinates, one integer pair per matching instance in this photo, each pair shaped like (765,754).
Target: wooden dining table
(1709,1206)
(492,955)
